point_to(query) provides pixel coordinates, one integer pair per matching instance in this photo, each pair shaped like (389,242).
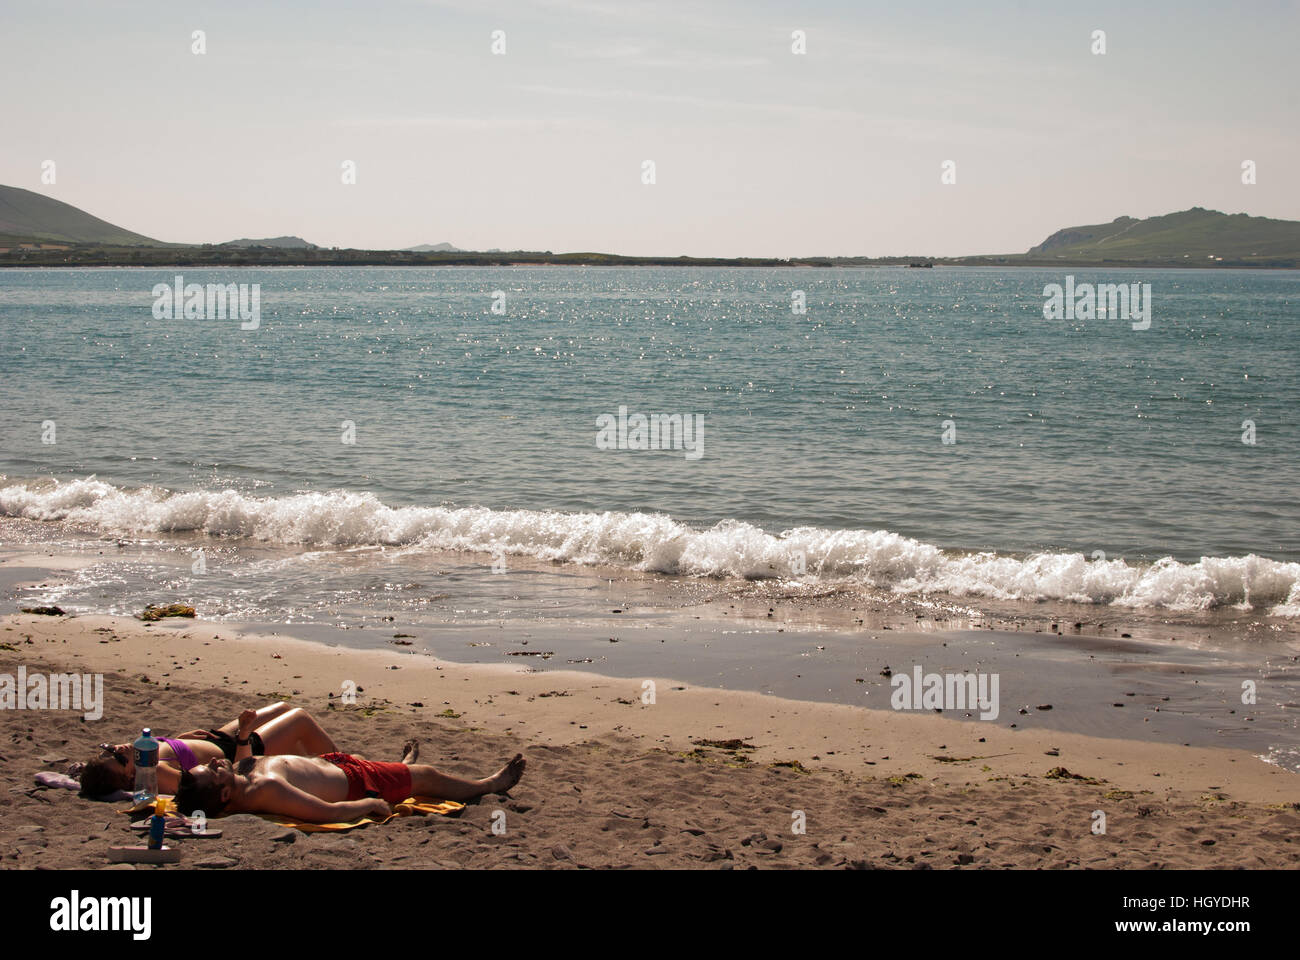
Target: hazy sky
(758,151)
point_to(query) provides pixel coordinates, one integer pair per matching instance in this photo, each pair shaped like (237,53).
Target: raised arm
(264,715)
(247,724)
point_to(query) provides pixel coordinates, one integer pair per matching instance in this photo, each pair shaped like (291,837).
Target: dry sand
(615,782)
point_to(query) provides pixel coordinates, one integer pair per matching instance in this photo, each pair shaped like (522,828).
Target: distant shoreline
(153,258)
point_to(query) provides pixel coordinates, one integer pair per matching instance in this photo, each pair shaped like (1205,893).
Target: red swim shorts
(368,778)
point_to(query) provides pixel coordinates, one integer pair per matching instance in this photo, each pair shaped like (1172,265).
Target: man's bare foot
(410,751)
(506,777)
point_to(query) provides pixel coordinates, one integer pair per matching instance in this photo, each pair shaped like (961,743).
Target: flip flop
(177,827)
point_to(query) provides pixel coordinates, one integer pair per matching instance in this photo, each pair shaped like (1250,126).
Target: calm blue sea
(1091,461)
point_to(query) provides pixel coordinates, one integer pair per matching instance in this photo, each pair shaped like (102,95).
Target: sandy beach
(658,438)
(699,777)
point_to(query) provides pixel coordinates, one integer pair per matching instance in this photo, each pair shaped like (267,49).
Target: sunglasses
(108,750)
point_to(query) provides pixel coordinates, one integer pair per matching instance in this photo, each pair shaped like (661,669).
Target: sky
(757,150)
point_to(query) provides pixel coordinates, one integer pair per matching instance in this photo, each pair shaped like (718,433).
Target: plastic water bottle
(146,767)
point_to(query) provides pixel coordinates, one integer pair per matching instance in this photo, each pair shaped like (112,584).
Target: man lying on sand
(333,788)
(277,729)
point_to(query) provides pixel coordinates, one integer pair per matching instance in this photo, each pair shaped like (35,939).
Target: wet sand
(1103,671)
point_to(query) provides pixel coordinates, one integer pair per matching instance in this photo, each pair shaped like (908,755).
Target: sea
(482,446)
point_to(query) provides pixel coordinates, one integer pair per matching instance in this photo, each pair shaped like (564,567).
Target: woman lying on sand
(277,729)
(334,788)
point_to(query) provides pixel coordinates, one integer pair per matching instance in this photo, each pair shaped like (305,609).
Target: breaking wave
(656,542)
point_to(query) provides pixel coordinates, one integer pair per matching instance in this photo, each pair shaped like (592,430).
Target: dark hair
(192,796)
(101,776)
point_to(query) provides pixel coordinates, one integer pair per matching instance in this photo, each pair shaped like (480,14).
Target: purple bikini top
(184,755)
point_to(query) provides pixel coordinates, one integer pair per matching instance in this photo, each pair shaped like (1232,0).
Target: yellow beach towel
(411,806)
(147,806)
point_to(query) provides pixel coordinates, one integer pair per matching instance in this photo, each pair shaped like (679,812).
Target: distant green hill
(31,222)
(435,248)
(280,243)
(1195,234)
(34,216)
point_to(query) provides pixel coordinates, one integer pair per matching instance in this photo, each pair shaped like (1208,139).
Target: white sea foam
(655,542)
